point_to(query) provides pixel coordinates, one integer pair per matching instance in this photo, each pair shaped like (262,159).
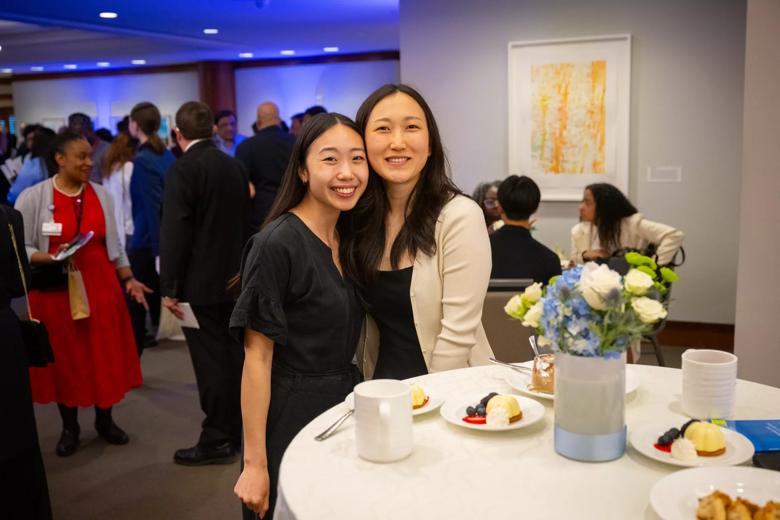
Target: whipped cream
(684,450)
(498,416)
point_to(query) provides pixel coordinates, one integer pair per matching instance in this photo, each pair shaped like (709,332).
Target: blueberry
(487,398)
(481,410)
(470,410)
(685,426)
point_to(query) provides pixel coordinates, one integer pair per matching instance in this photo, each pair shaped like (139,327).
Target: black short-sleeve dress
(293,293)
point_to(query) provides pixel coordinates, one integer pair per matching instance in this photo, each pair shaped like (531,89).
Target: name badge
(51,229)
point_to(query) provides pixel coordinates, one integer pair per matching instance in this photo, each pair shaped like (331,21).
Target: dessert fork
(524,370)
(330,430)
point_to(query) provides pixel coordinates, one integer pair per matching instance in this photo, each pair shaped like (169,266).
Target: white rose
(532,294)
(596,282)
(648,310)
(638,282)
(514,307)
(533,315)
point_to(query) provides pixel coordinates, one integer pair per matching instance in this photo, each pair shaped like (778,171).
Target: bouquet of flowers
(591,310)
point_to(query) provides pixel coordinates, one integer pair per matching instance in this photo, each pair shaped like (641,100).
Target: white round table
(458,473)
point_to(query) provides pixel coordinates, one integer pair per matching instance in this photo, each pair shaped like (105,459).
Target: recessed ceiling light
(108,15)
(210,31)
(103,64)
(70,66)
(287,52)
(245,55)
(36,68)
(330,49)
(1,47)
(138,62)
(6,71)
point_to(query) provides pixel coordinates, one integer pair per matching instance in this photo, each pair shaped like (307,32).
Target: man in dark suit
(202,235)
(515,253)
(265,156)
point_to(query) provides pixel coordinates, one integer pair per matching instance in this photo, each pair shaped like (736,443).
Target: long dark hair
(122,150)
(292,189)
(148,118)
(611,208)
(363,239)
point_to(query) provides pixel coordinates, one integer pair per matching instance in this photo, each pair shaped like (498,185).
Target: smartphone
(768,460)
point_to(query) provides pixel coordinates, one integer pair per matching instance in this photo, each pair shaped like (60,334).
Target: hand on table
(252,488)
(172,304)
(137,292)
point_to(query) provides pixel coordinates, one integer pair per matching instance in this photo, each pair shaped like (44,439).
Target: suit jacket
(517,255)
(203,226)
(636,232)
(447,293)
(265,156)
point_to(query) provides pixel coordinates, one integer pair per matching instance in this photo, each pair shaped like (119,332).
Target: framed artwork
(569,103)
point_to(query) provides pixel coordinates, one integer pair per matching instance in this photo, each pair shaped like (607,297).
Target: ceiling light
(287,52)
(36,68)
(138,62)
(330,49)
(245,55)
(210,31)
(70,66)
(6,71)
(108,15)
(103,64)
(1,47)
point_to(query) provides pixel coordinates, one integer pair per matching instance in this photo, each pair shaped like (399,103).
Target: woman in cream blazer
(609,222)
(413,222)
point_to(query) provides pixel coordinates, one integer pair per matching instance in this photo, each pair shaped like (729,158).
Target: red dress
(95,358)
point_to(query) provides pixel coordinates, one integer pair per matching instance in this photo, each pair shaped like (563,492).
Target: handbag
(77,294)
(34,333)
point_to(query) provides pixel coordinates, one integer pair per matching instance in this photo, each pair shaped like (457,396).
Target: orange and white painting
(568,117)
(568,113)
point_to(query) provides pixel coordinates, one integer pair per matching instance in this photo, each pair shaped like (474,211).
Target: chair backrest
(507,336)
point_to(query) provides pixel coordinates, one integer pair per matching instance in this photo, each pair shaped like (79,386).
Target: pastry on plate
(419,399)
(713,506)
(707,438)
(543,374)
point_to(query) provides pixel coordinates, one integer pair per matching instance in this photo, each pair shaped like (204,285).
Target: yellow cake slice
(508,403)
(707,438)
(418,396)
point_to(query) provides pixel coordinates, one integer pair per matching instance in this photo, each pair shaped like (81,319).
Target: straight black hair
(292,188)
(363,242)
(611,208)
(519,197)
(58,146)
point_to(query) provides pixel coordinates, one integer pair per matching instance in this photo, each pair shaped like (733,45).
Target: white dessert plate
(454,410)
(676,496)
(739,449)
(522,382)
(434,401)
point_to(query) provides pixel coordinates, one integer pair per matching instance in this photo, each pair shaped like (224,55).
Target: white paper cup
(383,420)
(709,383)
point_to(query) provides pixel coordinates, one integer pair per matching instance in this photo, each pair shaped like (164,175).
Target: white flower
(648,310)
(596,282)
(514,307)
(532,294)
(533,315)
(638,282)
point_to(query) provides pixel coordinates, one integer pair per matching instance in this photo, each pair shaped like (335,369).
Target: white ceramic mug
(709,386)
(383,420)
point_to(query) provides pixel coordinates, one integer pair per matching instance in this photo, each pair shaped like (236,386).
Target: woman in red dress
(95,358)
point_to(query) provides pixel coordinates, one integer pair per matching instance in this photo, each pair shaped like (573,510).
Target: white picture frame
(569,113)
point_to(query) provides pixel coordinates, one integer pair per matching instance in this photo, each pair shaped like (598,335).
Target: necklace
(77,193)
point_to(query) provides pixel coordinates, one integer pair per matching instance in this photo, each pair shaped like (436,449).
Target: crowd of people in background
(337,220)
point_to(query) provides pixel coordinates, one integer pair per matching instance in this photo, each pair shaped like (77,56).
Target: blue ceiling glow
(172,32)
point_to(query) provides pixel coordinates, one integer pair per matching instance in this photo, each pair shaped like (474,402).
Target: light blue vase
(590,422)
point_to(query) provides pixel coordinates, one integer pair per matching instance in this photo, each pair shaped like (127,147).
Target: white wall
(757,342)
(104,97)
(686,110)
(340,87)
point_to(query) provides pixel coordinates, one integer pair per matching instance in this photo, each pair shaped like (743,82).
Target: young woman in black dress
(299,317)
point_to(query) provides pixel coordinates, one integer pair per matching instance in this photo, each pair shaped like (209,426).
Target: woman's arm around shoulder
(465,273)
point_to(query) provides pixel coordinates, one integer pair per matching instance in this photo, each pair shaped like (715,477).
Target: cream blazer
(447,293)
(636,232)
